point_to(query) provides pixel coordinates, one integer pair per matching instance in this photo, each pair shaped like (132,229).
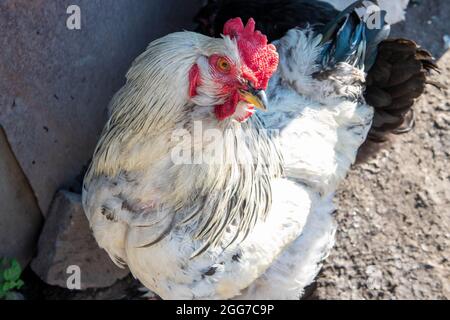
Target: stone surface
(20,217)
(55,83)
(66,240)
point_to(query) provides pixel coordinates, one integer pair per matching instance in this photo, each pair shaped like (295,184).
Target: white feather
(138,200)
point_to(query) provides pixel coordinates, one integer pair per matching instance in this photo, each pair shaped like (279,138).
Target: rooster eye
(223,65)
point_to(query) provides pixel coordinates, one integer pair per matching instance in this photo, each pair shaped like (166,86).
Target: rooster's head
(233,75)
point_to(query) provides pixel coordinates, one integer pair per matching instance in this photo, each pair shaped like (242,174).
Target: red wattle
(228,108)
(194,80)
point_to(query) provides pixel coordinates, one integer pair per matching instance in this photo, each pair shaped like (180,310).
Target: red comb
(261,59)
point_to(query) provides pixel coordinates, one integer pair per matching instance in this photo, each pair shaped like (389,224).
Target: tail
(354,35)
(397,70)
(398,77)
(206,17)
(273,17)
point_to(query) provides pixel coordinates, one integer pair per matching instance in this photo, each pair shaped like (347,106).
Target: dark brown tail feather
(398,77)
(273,17)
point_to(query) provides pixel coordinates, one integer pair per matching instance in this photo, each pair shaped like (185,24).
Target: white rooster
(251,217)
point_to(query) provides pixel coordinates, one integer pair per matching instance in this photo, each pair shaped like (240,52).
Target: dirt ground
(393,239)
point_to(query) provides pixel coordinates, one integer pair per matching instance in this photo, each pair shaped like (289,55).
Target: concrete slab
(55,83)
(67,244)
(20,217)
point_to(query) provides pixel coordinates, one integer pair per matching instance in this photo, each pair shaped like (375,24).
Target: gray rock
(56,83)
(442,122)
(66,241)
(20,217)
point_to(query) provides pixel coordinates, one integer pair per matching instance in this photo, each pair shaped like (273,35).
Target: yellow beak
(255,97)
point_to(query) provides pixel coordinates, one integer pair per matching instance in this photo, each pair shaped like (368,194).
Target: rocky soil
(393,240)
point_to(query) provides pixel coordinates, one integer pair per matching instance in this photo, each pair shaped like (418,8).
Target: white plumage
(173,223)
(320,134)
